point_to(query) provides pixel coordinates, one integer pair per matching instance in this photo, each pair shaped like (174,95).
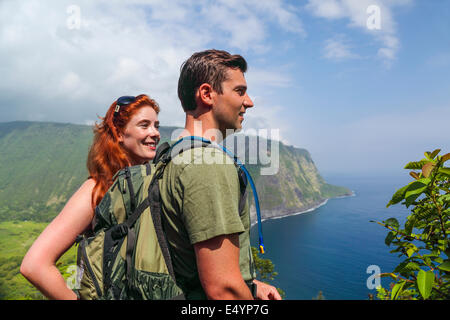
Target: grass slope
(16,237)
(42,164)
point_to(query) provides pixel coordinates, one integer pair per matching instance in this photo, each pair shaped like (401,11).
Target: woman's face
(141,135)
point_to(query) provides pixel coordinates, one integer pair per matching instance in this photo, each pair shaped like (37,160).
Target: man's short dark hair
(208,66)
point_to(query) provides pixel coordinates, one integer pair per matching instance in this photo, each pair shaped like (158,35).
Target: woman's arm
(38,265)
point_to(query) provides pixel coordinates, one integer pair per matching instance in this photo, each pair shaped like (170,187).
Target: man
(207,229)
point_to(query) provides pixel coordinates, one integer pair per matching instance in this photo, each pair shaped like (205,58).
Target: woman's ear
(119,137)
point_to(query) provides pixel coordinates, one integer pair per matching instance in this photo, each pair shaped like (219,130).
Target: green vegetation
(16,237)
(42,165)
(424,239)
(265,270)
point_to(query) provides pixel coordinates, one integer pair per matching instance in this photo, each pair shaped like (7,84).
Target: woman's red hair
(106,155)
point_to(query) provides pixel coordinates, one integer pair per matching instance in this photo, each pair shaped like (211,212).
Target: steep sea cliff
(44,163)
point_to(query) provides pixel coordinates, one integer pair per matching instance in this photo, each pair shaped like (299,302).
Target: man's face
(230,106)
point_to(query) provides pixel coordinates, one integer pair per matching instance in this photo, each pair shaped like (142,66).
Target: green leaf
(398,196)
(405,268)
(409,225)
(425,280)
(410,251)
(396,290)
(381,293)
(447,252)
(445,266)
(445,171)
(434,153)
(415,189)
(390,236)
(414,175)
(445,157)
(416,165)
(392,222)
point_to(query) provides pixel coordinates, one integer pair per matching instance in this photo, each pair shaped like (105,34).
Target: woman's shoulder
(90,182)
(87,186)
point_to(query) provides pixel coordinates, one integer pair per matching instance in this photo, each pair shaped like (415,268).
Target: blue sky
(359,100)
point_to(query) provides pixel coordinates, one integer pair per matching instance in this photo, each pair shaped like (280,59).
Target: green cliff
(42,164)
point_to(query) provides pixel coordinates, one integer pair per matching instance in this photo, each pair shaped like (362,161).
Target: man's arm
(218,268)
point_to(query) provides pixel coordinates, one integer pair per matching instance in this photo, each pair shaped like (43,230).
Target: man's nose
(248,103)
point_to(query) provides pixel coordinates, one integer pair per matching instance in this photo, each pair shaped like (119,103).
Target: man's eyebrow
(241,87)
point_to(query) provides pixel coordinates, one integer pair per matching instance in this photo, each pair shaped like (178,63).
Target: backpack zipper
(90,271)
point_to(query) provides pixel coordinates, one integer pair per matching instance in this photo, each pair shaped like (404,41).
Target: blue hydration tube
(249,178)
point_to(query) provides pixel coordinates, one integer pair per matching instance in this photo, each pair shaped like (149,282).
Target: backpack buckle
(119,231)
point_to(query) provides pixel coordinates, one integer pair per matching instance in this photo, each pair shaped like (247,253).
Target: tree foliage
(423,240)
(265,269)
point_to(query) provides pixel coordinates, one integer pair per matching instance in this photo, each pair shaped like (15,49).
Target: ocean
(330,249)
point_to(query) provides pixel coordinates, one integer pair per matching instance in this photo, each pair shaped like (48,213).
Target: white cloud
(331,9)
(58,73)
(355,11)
(338,48)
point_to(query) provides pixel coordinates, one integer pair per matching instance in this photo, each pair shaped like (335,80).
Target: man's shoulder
(200,158)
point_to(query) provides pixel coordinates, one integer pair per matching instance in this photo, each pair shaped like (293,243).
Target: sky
(363,85)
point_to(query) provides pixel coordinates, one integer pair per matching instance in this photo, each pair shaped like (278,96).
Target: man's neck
(202,126)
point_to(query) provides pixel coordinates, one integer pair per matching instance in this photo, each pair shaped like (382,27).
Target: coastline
(310,209)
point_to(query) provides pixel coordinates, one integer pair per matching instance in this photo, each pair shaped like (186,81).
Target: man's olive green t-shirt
(200,193)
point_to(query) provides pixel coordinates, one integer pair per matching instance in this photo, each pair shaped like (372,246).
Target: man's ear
(205,94)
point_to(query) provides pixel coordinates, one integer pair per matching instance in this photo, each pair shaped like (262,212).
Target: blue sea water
(330,248)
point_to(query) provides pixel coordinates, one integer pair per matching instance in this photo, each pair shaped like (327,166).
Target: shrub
(423,240)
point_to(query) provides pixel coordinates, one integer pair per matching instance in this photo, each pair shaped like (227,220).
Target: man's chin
(238,126)
(231,131)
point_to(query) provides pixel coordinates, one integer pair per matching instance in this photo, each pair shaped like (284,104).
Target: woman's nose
(154,132)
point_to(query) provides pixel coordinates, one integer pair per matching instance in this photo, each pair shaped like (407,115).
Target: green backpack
(127,256)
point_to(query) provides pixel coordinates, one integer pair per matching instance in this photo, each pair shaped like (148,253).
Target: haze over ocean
(329,249)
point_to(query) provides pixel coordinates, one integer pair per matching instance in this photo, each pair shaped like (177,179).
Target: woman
(127,135)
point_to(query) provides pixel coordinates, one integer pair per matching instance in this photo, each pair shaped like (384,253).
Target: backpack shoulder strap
(161,152)
(169,152)
(242,168)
